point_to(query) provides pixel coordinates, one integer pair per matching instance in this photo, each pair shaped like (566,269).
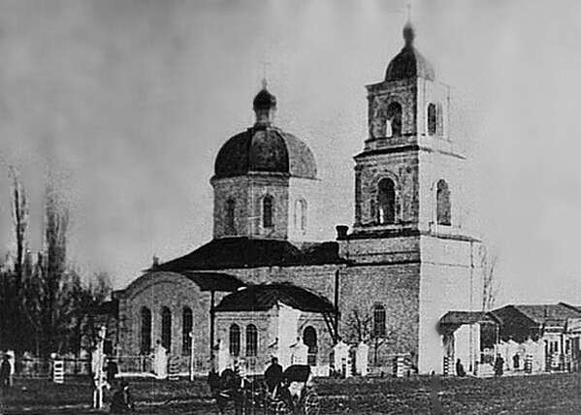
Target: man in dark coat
(498,365)
(460,368)
(273,375)
(299,396)
(112,370)
(122,402)
(5,369)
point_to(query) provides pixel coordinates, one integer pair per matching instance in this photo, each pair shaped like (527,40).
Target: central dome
(264,148)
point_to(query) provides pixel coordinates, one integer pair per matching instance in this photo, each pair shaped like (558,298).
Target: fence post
(58,371)
(529,363)
(446,365)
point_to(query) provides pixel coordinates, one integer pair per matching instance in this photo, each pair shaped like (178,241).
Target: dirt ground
(541,394)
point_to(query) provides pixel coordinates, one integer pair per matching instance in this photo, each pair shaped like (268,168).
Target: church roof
(243,252)
(409,63)
(213,281)
(265,149)
(265,296)
(466,317)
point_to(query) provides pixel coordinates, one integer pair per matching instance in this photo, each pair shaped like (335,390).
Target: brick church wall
(396,287)
(317,278)
(248,193)
(163,289)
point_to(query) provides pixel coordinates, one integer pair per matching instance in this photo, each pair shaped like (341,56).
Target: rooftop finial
(264,66)
(264,103)
(408,29)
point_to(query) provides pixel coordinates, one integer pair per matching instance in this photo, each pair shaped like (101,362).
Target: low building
(529,338)
(169,307)
(258,322)
(547,333)
(470,337)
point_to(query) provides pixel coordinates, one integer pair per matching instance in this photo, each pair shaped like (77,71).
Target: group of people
(291,391)
(285,392)
(498,366)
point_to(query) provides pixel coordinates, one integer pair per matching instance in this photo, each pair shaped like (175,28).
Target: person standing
(273,375)
(112,370)
(516,362)
(460,369)
(122,402)
(498,365)
(5,369)
(160,361)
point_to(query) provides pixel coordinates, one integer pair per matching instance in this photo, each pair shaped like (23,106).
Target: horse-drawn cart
(295,395)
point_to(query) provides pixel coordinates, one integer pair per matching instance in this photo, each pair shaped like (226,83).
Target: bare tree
(93,295)
(20,219)
(13,333)
(362,326)
(488,264)
(43,302)
(48,291)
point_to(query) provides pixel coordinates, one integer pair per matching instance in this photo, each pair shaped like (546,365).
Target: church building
(263,286)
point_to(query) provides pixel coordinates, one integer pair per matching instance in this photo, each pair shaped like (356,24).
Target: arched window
(187,326)
(310,340)
(394,118)
(251,340)
(166,328)
(443,204)
(379,320)
(231,217)
(301,214)
(386,201)
(145,346)
(267,211)
(440,118)
(234,340)
(432,119)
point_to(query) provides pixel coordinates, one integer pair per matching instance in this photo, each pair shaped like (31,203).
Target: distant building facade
(406,261)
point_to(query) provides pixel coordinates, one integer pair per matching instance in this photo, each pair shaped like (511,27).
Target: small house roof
(265,296)
(467,317)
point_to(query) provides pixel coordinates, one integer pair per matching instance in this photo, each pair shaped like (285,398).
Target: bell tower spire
(408,29)
(264,105)
(408,119)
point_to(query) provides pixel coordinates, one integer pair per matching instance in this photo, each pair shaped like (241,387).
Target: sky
(130,101)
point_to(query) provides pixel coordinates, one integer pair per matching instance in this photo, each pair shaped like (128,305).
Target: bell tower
(408,125)
(409,250)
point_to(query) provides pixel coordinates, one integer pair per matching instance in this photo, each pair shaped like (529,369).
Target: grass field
(542,394)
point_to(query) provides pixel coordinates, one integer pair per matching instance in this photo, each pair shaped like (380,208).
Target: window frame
(187,329)
(386,210)
(267,212)
(230,216)
(394,114)
(166,329)
(145,331)
(443,203)
(379,321)
(251,340)
(234,339)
